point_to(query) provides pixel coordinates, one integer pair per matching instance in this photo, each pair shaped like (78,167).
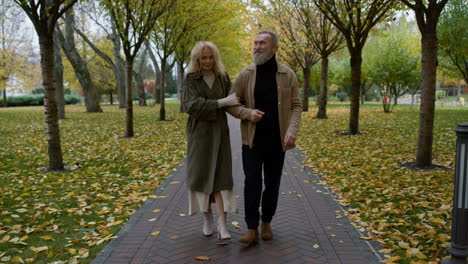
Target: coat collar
(281,67)
(196,75)
(199,75)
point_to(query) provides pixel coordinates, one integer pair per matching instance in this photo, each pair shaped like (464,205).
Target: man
(270,115)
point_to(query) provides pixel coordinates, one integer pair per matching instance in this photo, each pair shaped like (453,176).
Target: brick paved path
(305,226)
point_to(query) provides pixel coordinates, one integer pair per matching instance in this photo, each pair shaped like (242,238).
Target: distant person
(209,165)
(270,114)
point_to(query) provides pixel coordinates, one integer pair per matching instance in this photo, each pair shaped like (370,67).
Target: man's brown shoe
(251,237)
(265,231)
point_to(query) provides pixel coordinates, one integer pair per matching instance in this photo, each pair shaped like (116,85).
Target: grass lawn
(69,217)
(47,217)
(408,211)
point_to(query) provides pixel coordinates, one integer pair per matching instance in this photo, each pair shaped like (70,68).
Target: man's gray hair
(272,34)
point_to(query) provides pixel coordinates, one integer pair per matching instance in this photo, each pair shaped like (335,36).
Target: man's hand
(256,115)
(289,141)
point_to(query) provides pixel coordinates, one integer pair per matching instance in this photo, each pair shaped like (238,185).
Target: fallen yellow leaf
(202,258)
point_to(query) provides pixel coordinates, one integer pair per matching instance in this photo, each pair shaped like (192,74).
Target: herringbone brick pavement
(305,226)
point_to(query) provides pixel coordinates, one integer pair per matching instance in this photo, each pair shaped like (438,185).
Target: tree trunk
(129,110)
(5,102)
(157,81)
(58,74)
(162,112)
(426,116)
(141,90)
(111,97)
(412,101)
(305,96)
(180,82)
(180,78)
(140,81)
(356,63)
(323,96)
(118,70)
(46,44)
(458,88)
(79,65)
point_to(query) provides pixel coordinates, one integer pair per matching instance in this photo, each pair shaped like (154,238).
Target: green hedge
(36,99)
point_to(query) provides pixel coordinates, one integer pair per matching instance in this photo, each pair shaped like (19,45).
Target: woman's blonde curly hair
(194,64)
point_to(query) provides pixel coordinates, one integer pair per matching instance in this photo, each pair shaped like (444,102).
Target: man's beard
(262,58)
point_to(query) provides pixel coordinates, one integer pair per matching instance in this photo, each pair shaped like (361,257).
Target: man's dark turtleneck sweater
(267,132)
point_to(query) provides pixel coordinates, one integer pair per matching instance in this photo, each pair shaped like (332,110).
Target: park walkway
(306,227)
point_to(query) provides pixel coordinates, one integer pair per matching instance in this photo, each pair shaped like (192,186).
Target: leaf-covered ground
(408,211)
(69,217)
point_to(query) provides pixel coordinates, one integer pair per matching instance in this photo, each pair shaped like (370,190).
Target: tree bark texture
(140,81)
(119,68)
(141,89)
(305,96)
(162,112)
(157,75)
(323,96)
(180,77)
(426,115)
(356,63)
(117,65)
(129,109)
(46,44)
(58,74)
(79,65)
(180,82)
(111,97)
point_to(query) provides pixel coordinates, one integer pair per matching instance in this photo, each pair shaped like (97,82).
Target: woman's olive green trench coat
(209,166)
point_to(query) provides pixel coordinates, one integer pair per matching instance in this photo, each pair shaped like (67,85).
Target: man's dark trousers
(254,159)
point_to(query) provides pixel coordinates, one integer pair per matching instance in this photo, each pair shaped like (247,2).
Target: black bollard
(459,244)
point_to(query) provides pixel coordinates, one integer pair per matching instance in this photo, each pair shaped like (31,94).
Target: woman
(209,167)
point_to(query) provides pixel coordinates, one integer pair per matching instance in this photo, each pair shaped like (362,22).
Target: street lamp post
(459,244)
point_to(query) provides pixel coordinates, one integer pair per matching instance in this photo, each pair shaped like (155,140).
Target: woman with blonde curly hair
(209,166)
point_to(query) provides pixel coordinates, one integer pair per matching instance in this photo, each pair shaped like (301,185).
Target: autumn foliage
(408,211)
(70,216)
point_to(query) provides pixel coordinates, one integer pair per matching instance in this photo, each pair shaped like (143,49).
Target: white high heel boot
(223,232)
(207,223)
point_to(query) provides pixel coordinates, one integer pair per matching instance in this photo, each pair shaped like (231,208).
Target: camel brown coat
(289,102)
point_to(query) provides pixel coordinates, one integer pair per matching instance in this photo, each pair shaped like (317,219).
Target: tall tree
(59,91)
(184,17)
(80,67)
(427,17)
(355,19)
(44,15)
(453,36)
(134,20)
(11,44)
(116,64)
(157,73)
(95,12)
(221,22)
(326,39)
(391,63)
(299,45)
(139,77)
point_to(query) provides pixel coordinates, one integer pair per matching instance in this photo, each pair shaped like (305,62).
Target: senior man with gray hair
(270,117)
